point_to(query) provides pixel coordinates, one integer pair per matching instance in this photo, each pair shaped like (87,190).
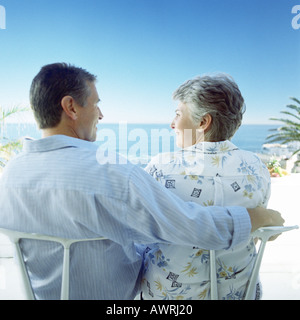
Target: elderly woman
(210,170)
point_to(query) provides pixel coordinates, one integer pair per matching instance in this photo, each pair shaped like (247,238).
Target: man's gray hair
(217,95)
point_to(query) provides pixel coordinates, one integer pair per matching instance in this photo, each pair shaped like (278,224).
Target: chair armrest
(265,233)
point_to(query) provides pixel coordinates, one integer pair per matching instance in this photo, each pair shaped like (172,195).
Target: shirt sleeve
(154,214)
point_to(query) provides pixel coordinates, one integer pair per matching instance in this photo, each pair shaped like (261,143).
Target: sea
(142,141)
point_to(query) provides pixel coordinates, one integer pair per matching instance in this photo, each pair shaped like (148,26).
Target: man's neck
(67,131)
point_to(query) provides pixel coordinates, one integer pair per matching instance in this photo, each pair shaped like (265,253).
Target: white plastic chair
(15,237)
(264,234)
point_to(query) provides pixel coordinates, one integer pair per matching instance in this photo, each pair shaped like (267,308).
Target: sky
(142,50)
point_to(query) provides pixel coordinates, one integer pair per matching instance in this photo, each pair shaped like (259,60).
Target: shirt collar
(54,142)
(212,147)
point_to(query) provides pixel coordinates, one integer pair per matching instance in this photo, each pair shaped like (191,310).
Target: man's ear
(69,106)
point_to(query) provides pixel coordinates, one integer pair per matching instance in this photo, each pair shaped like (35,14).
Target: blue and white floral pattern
(209,173)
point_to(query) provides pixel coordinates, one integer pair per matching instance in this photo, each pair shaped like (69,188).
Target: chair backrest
(263,234)
(16,236)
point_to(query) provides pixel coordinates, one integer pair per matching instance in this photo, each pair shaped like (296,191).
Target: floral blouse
(209,173)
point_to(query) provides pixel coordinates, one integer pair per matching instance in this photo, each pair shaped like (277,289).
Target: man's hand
(261,217)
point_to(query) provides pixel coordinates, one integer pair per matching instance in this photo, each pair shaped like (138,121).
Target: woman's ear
(69,106)
(206,122)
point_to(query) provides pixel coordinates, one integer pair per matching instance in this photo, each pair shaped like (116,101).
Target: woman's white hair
(217,95)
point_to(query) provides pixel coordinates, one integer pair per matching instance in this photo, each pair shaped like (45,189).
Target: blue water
(252,137)
(248,137)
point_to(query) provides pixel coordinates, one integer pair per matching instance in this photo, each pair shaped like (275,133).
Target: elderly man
(57,187)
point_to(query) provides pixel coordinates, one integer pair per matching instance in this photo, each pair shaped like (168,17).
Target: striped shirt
(56,186)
